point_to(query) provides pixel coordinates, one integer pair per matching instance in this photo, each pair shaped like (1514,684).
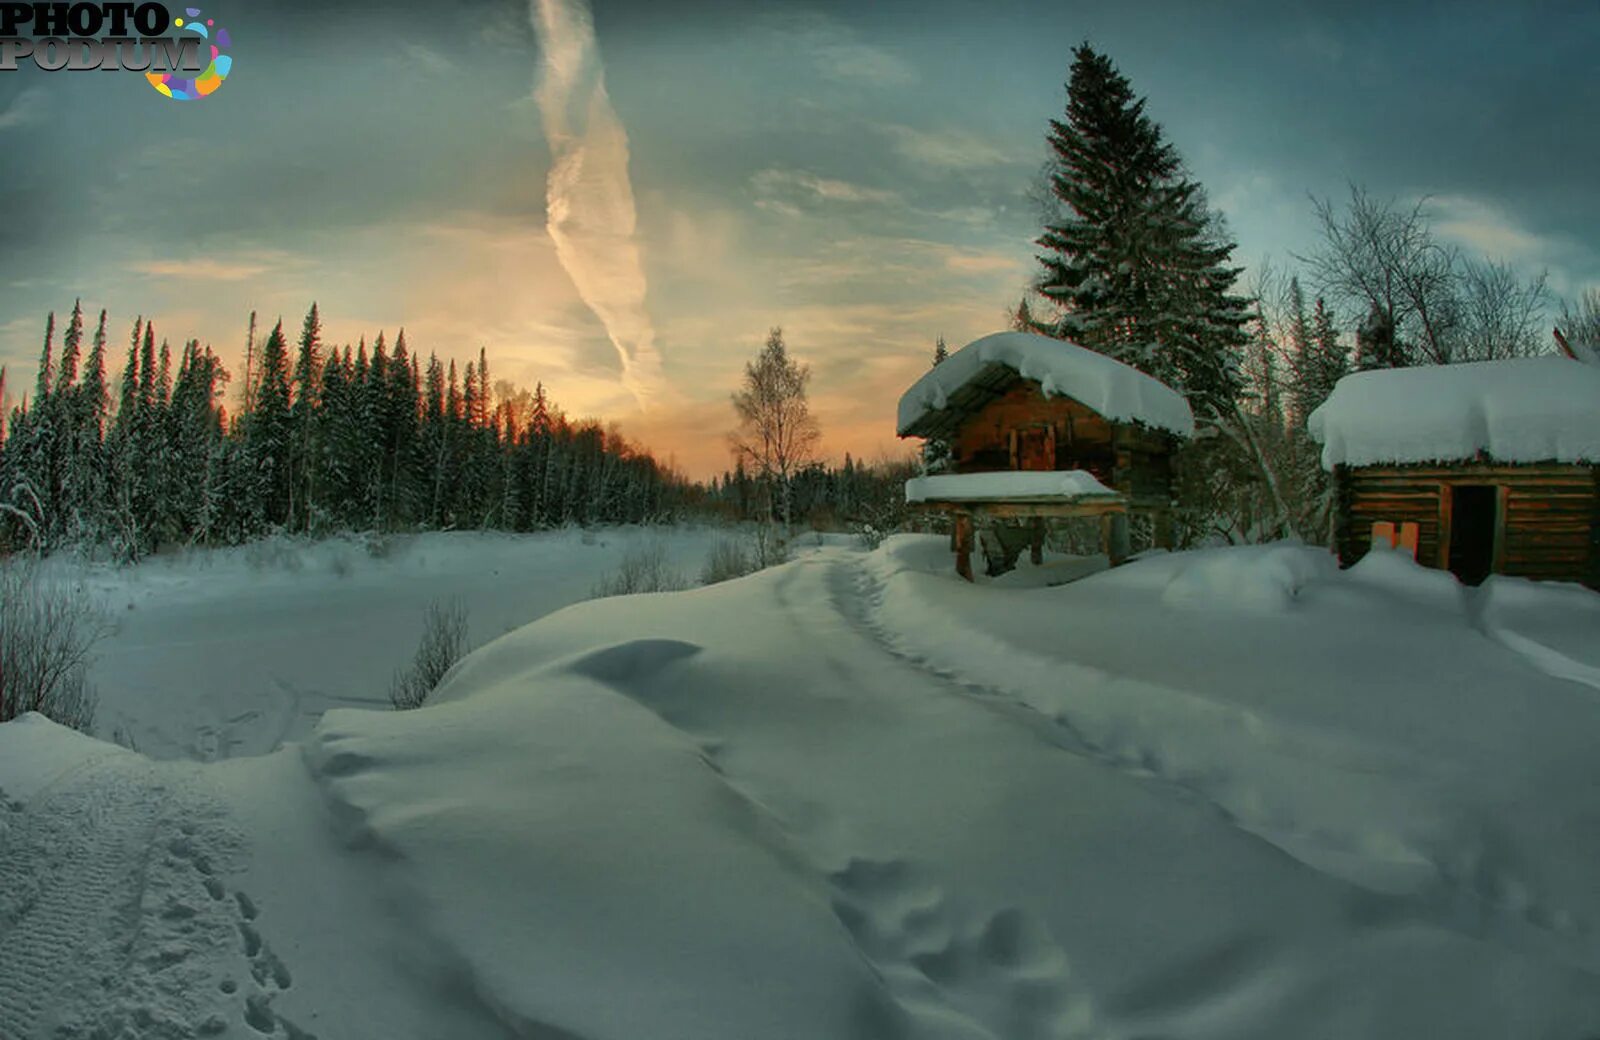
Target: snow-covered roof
(1544,409)
(1112,389)
(1030,485)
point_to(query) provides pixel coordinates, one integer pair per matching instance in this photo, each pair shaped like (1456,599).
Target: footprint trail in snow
(115,918)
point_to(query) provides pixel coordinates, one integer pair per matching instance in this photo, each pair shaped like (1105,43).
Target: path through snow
(117,919)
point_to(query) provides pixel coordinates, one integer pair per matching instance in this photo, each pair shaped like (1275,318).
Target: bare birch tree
(777,433)
(1419,301)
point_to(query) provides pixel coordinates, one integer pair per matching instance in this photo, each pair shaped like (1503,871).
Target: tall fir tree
(128,399)
(270,432)
(71,344)
(305,384)
(41,392)
(1331,361)
(1136,265)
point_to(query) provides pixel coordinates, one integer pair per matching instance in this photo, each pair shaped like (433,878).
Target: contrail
(589,200)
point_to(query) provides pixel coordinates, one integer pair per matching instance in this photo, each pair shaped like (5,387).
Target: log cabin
(1030,405)
(1484,468)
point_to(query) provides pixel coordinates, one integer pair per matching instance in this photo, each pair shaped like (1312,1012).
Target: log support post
(1163,528)
(1114,537)
(1036,544)
(963,539)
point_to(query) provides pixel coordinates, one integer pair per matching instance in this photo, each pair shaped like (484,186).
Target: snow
(1523,410)
(1017,484)
(1235,793)
(1117,391)
(227,652)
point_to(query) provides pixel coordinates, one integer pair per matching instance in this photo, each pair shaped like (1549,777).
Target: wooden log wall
(1124,457)
(1549,514)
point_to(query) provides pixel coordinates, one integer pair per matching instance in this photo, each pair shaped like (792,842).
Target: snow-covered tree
(1136,265)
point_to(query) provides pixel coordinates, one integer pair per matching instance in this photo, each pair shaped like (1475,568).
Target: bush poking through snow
(769,546)
(734,556)
(444,641)
(643,569)
(729,558)
(46,636)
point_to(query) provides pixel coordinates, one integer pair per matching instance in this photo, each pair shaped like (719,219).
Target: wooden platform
(971,517)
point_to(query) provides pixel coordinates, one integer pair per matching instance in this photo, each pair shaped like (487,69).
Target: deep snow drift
(231,652)
(1226,794)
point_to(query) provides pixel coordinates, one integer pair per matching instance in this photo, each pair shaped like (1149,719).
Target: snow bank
(1231,795)
(1112,389)
(1018,484)
(1524,410)
(1370,731)
(35,753)
(231,652)
(1249,578)
(1553,624)
(794,832)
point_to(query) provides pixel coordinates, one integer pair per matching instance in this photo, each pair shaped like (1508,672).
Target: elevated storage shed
(1489,467)
(1016,403)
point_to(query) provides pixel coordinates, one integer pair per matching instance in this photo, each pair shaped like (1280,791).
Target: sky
(621,200)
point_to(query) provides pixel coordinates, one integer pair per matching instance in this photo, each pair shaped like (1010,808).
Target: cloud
(589,198)
(948,149)
(203,270)
(27,107)
(1484,227)
(839,54)
(783,191)
(427,58)
(986,263)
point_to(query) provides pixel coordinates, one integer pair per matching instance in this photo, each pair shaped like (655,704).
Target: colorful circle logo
(208,81)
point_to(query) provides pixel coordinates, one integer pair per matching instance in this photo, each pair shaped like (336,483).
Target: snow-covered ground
(1223,794)
(220,653)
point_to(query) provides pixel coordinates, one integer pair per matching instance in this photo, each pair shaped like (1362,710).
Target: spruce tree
(71,343)
(93,393)
(270,433)
(1331,361)
(1137,266)
(935,450)
(1301,358)
(41,392)
(147,370)
(304,388)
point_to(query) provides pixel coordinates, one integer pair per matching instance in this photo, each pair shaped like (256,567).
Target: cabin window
(1474,518)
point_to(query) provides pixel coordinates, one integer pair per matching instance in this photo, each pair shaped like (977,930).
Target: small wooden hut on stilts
(1042,430)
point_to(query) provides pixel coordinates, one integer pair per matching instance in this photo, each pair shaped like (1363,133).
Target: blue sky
(857,174)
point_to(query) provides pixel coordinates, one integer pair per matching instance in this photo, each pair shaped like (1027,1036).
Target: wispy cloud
(1484,227)
(589,197)
(418,54)
(986,263)
(784,191)
(204,270)
(27,107)
(948,148)
(840,54)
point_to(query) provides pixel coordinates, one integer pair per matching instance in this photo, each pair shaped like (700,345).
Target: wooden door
(1036,448)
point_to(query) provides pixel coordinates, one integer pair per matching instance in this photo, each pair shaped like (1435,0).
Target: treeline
(859,496)
(326,439)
